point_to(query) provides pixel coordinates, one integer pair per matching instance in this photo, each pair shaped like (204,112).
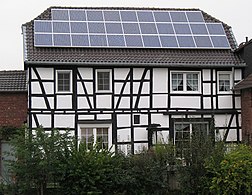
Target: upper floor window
(103,80)
(185,81)
(63,81)
(224,81)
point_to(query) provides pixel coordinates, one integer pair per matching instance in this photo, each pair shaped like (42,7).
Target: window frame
(95,127)
(70,81)
(230,82)
(184,76)
(110,80)
(191,130)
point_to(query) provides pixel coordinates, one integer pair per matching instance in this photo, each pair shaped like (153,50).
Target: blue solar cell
(195,16)
(215,29)
(98,40)
(162,16)
(43,39)
(203,41)
(80,40)
(94,15)
(133,41)
(77,15)
(151,41)
(199,29)
(185,41)
(145,16)
(148,28)
(165,28)
(178,17)
(43,26)
(114,28)
(61,27)
(58,14)
(131,28)
(111,16)
(182,28)
(78,27)
(168,41)
(116,40)
(61,39)
(96,27)
(128,16)
(220,42)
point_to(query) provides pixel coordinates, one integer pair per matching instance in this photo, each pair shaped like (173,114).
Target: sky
(14,13)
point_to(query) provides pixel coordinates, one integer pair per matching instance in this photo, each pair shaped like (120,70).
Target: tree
(40,158)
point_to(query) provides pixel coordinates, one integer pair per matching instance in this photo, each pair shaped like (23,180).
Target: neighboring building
(13,111)
(13,98)
(118,74)
(245,87)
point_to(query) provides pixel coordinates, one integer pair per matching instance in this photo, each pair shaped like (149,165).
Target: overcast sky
(14,13)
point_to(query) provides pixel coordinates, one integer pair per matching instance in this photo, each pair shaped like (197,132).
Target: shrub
(93,171)
(233,175)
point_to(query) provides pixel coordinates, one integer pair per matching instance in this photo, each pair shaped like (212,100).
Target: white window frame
(110,80)
(190,124)
(95,127)
(70,82)
(184,73)
(230,81)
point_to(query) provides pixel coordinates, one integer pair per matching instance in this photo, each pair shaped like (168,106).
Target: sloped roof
(244,84)
(126,56)
(13,81)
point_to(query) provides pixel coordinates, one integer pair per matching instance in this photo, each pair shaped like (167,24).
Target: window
(103,80)
(92,135)
(185,81)
(183,132)
(64,81)
(137,119)
(224,83)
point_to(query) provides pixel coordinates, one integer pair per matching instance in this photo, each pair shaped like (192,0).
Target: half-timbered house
(132,76)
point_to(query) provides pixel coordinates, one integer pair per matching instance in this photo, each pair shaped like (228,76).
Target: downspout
(233,77)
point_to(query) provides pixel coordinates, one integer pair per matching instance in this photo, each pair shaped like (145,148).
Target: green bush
(94,171)
(233,175)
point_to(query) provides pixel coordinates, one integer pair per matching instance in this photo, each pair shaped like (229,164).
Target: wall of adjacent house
(246,104)
(145,92)
(13,109)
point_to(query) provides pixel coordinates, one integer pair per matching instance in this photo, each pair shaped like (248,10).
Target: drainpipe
(233,76)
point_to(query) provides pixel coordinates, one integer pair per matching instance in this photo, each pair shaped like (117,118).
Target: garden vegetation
(52,162)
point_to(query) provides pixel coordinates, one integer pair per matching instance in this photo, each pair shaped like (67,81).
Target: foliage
(233,175)
(40,158)
(148,171)
(93,171)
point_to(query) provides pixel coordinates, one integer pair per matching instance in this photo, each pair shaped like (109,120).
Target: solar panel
(195,16)
(128,28)
(77,15)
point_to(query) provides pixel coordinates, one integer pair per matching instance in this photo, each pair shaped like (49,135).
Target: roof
(244,84)
(129,56)
(13,81)
(243,45)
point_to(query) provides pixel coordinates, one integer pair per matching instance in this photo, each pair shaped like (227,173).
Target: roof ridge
(125,8)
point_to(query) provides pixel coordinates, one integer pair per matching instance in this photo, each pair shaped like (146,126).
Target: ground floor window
(92,134)
(183,134)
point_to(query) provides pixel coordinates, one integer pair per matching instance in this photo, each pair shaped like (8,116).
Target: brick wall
(246,104)
(13,109)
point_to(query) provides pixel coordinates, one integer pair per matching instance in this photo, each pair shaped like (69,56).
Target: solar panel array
(128,29)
